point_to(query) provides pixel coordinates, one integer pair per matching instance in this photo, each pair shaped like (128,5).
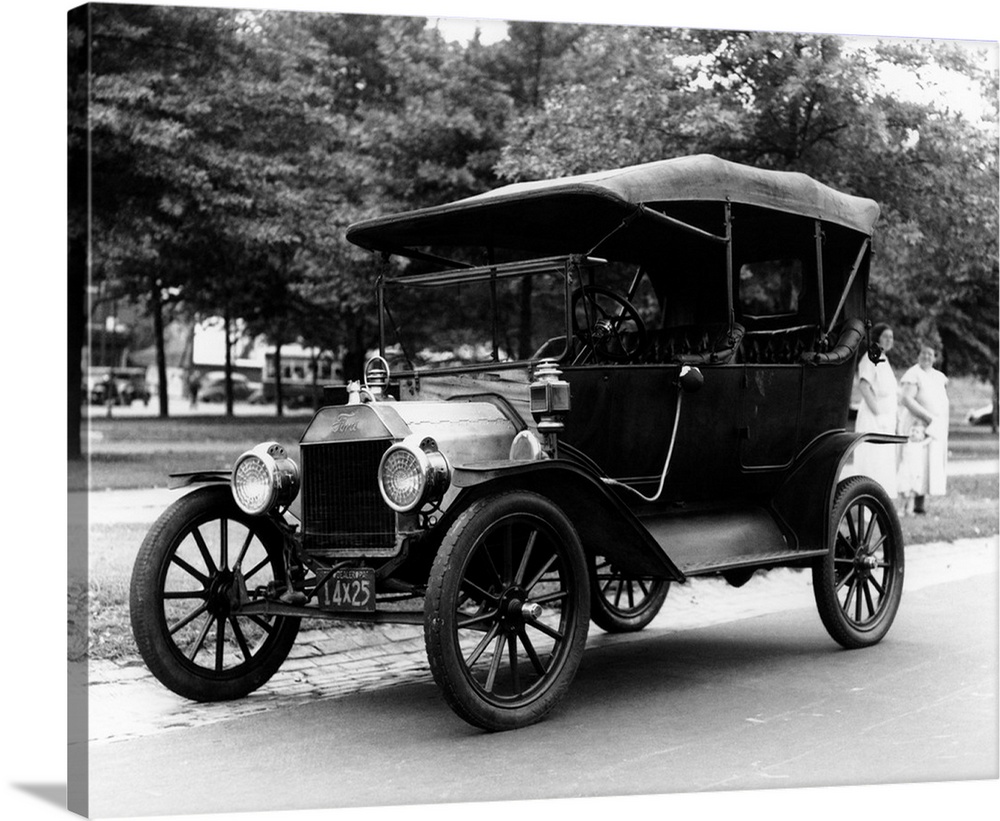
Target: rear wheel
(621,603)
(506,612)
(194,566)
(859,582)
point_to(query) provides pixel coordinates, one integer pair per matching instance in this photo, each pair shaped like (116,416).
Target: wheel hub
(512,606)
(865,564)
(601,330)
(219,599)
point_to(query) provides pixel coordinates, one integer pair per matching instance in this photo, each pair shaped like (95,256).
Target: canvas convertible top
(572,214)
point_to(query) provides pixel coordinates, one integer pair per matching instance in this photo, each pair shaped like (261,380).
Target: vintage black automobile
(588,389)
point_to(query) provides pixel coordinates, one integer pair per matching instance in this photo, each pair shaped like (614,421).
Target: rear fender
(804,499)
(606,526)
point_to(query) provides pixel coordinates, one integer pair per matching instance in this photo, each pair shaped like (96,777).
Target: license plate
(351,590)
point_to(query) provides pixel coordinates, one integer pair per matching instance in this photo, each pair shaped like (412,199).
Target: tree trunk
(353,363)
(996,404)
(156,308)
(315,379)
(279,399)
(228,366)
(76,333)
(78,217)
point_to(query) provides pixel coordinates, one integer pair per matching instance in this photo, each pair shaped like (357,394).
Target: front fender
(192,478)
(804,499)
(198,477)
(605,524)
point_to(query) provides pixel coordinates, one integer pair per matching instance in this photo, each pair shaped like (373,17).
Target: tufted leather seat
(779,347)
(695,344)
(787,346)
(844,349)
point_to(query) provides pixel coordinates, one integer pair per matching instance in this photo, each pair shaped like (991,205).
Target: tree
(146,67)
(430,130)
(806,103)
(78,206)
(211,130)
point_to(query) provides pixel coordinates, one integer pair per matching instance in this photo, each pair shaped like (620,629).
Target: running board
(785,557)
(709,540)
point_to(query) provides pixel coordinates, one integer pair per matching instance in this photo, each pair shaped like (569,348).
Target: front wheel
(507,610)
(859,582)
(194,567)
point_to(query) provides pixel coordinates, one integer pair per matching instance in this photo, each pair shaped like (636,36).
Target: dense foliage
(228,150)
(814,104)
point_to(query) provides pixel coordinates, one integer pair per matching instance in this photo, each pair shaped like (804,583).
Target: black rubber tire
(621,603)
(173,560)
(479,588)
(859,582)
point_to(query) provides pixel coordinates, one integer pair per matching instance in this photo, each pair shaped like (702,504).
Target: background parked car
(124,385)
(981,416)
(213,387)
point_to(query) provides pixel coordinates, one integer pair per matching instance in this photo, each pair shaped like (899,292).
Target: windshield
(477,316)
(509,313)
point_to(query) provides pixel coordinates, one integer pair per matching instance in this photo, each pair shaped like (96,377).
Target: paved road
(728,689)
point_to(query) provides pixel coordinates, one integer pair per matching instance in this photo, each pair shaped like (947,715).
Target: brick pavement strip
(126,701)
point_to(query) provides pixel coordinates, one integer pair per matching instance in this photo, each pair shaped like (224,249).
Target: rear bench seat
(802,343)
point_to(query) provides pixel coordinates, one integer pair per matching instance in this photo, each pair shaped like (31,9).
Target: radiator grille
(342,510)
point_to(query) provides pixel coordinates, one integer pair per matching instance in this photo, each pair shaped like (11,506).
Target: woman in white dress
(923,416)
(877,414)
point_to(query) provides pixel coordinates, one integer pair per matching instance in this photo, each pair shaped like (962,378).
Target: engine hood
(465,432)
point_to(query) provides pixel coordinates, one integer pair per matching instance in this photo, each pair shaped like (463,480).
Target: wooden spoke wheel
(507,610)
(620,603)
(858,584)
(190,575)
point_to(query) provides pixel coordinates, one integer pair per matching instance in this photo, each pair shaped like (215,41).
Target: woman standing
(923,416)
(877,413)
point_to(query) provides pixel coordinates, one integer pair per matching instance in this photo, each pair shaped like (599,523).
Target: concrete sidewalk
(125,701)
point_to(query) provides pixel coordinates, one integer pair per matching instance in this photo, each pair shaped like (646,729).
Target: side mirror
(690,379)
(875,352)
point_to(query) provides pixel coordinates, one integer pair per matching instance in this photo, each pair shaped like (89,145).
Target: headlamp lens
(402,478)
(253,485)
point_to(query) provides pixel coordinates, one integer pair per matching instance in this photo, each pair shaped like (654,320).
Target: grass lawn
(112,552)
(971,508)
(197,429)
(141,452)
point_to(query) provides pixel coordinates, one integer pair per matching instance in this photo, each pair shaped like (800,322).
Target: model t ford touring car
(588,389)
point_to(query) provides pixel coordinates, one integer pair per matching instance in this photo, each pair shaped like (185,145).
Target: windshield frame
(568,267)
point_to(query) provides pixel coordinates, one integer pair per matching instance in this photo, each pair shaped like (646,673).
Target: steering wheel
(608,326)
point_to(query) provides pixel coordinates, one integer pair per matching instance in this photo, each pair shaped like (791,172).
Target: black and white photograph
(484,408)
